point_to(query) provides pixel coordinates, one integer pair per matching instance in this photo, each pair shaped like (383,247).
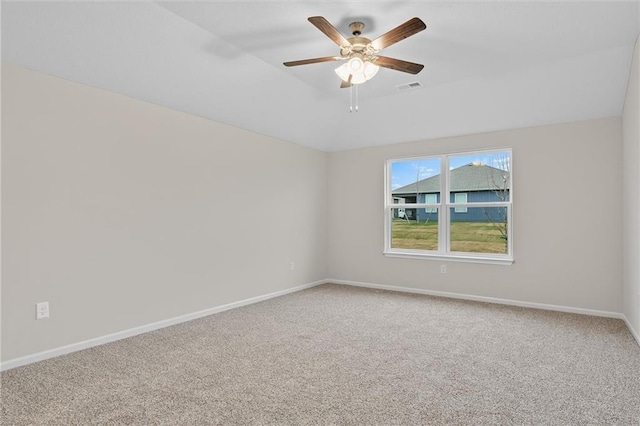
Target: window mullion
(443,227)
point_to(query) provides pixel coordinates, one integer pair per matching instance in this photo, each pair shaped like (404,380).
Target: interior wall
(566,218)
(631,196)
(121,213)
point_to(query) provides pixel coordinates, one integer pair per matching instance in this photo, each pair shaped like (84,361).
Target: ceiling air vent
(409,86)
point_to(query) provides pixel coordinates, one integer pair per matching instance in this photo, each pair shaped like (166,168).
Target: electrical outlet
(443,269)
(42,310)
(292,266)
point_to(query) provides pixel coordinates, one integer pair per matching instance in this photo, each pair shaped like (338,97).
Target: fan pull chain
(356,98)
(351,98)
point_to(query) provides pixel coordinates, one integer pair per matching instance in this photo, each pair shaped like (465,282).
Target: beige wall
(567,231)
(121,213)
(631,195)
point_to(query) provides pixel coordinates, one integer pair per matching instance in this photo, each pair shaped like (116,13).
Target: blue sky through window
(409,171)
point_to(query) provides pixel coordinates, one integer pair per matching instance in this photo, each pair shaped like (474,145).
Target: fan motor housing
(358,45)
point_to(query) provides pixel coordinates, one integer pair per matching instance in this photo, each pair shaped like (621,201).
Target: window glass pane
(484,177)
(479,230)
(409,233)
(412,181)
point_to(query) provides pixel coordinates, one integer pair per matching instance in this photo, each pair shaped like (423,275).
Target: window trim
(443,212)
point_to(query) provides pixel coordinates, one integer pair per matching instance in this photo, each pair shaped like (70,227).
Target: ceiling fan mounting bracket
(356,28)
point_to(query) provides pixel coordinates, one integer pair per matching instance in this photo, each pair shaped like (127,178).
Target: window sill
(486,259)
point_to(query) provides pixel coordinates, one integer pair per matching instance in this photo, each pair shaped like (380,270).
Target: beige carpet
(344,355)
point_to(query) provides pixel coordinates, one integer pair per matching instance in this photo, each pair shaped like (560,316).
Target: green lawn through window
(470,237)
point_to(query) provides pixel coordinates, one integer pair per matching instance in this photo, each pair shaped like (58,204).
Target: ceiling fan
(361,53)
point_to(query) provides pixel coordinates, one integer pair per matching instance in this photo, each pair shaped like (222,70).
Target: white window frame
(443,211)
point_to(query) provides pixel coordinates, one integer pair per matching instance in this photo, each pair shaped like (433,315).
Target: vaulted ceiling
(488,65)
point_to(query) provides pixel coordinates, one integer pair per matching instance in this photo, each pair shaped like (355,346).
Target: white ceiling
(488,65)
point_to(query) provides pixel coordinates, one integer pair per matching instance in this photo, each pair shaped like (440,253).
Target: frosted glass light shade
(359,70)
(370,70)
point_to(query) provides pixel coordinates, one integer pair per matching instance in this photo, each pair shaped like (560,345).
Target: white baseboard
(74,347)
(632,330)
(544,306)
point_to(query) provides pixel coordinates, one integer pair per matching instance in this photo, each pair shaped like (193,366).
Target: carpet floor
(346,356)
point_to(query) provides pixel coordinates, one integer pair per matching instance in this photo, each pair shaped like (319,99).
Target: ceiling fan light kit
(357,71)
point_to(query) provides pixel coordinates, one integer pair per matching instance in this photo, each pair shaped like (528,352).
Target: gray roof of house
(471,177)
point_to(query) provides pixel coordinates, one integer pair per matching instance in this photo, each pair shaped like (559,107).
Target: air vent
(409,86)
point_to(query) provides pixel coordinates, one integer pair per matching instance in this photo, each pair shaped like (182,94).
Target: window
(454,206)
(431,199)
(460,198)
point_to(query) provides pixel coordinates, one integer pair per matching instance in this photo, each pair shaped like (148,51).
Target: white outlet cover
(42,310)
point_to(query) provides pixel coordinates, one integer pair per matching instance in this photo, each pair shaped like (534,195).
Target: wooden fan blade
(398,65)
(347,83)
(399,33)
(312,61)
(329,30)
